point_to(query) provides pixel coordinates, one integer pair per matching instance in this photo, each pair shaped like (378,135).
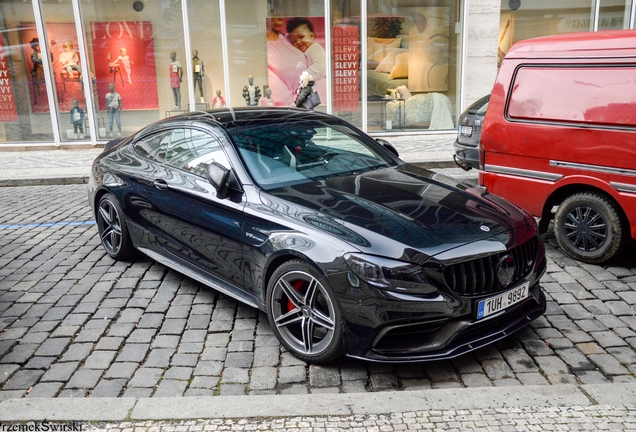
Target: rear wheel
(111,224)
(304,313)
(588,227)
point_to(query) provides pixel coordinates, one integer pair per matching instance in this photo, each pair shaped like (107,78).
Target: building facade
(78,72)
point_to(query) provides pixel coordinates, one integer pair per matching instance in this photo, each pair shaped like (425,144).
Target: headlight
(389,274)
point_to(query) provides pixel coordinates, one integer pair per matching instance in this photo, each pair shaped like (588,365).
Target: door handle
(160,184)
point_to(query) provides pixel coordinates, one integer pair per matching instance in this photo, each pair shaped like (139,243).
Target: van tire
(588,227)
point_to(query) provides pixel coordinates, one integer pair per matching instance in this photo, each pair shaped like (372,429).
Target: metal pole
(188,48)
(328,70)
(632,15)
(595,14)
(363,39)
(48,71)
(464,55)
(224,53)
(86,76)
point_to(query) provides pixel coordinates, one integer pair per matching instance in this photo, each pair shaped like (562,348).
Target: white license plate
(466,130)
(502,301)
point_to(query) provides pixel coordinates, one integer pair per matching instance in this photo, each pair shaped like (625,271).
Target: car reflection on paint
(346,248)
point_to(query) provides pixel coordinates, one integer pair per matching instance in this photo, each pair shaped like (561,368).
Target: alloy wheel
(109,225)
(303,313)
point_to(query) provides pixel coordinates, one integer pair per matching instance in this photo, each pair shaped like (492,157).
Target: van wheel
(588,227)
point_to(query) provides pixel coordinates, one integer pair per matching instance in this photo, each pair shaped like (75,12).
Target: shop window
(24,106)
(411,67)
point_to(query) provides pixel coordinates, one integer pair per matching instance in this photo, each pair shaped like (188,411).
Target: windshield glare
(285,154)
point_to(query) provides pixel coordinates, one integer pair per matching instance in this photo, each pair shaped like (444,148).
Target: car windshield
(284,154)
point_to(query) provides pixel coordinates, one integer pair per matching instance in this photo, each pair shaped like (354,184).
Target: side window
(153,147)
(192,150)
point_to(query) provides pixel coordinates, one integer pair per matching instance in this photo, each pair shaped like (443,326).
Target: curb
(177,408)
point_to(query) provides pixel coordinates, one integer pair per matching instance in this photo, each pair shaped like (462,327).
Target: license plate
(495,304)
(466,130)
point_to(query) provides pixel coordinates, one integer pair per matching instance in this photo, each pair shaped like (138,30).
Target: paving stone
(170,388)
(591,377)
(239,359)
(519,361)
(133,353)
(537,348)
(205,382)
(295,389)
(214,353)
(84,379)
(192,348)
(624,355)
(197,392)
(23,380)
(217,340)
(6,370)
(323,376)
(146,377)
(265,356)
(235,375)
(73,393)
(159,357)
(53,347)
(109,343)
(590,348)
(577,336)
(575,359)
(108,388)
(269,340)
(619,308)
(220,326)
(608,364)
(100,360)
(184,360)
(552,365)
(121,370)
(45,390)
(232,389)
(208,368)
(608,339)
(165,341)
(137,392)
(576,312)
(476,380)
(173,326)
(40,363)
(178,373)
(77,352)
(292,374)
(198,322)
(263,378)
(121,329)
(151,320)
(532,378)
(60,372)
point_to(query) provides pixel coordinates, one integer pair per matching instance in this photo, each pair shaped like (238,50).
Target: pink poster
(8,112)
(124,55)
(295,45)
(345,64)
(65,63)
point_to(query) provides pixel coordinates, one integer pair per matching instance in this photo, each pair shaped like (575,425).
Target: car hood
(404,213)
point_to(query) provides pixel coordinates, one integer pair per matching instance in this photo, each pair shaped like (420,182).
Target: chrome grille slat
(479,277)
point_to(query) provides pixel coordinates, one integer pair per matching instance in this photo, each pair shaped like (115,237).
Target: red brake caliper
(297,285)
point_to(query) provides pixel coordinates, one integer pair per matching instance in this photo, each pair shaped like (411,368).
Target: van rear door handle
(160,184)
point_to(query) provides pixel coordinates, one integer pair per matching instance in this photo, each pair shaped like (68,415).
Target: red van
(559,138)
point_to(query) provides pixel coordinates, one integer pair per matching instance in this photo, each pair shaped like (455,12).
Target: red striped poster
(8,111)
(345,62)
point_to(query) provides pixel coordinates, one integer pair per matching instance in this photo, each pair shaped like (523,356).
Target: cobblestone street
(75,323)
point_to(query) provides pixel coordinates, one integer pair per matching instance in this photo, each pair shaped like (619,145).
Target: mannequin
(70,59)
(198,72)
(176,76)
(77,120)
(218,101)
(113,105)
(267,100)
(125,61)
(251,93)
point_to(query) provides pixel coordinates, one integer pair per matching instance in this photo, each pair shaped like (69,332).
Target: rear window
(590,95)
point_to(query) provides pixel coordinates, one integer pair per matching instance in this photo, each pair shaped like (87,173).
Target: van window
(598,95)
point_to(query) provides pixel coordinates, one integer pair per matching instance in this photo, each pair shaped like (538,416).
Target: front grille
(479,277)
(407,337)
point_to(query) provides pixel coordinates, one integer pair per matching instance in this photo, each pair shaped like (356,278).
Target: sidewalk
(55,167)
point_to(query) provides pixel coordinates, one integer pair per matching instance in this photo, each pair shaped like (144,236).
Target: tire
(304,313)
(111,224)
(589,228)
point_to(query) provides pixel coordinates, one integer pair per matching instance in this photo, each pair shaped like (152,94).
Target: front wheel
(588,227)
(304,313)
(111,224)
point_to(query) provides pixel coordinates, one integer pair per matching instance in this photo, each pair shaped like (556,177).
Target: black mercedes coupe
(348,249)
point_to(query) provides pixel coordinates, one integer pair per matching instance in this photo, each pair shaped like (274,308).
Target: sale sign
(8,111)
(346,74)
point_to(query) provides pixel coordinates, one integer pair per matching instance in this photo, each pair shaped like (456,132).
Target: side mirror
(218,176)
(388,146)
